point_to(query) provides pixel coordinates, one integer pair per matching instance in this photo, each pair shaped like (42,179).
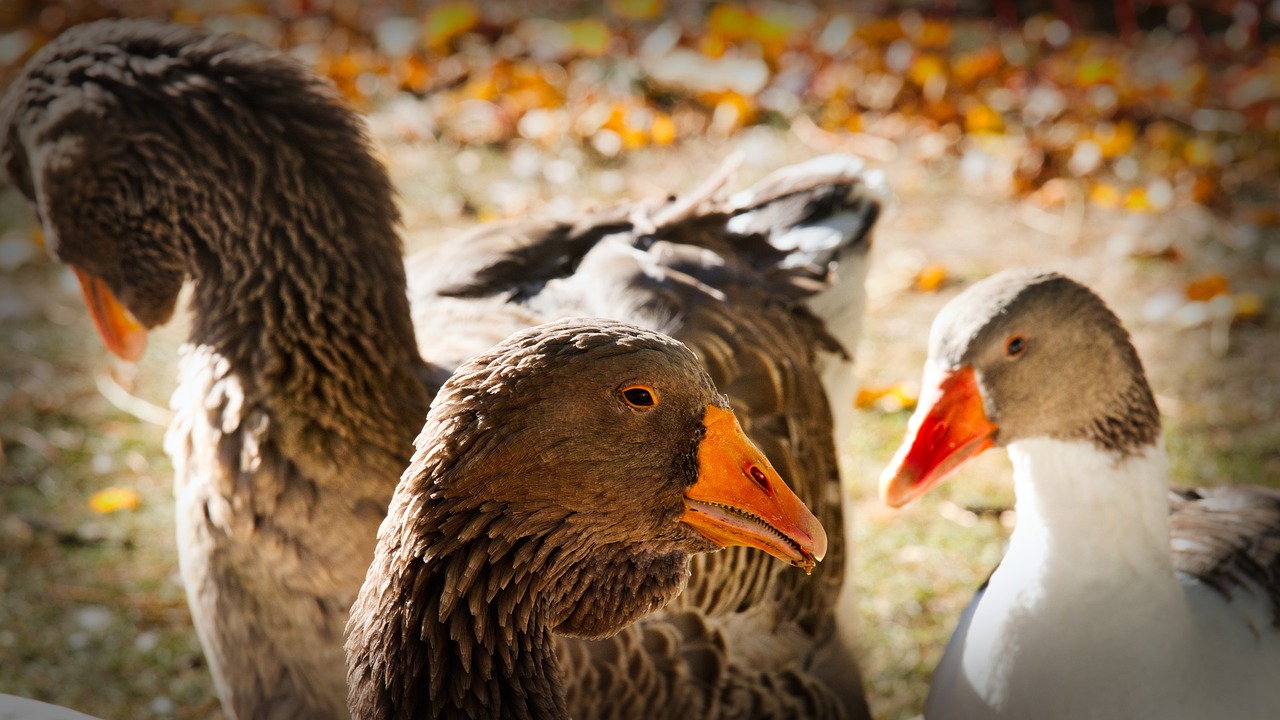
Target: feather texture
(156,154)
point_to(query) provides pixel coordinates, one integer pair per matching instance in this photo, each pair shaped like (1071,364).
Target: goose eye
(1015,346)
(638,396)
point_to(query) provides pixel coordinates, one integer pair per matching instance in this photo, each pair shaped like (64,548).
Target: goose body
(1117,597)
(13,707)
(545,497)
(157,154)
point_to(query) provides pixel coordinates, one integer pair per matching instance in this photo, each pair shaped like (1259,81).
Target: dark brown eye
(1015,345)
(638,396)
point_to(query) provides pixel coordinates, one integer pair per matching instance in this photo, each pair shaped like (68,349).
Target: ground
(91,610)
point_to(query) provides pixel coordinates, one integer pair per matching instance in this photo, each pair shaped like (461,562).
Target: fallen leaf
(1207,287)
(931,278)
(887,398)
(637,9)
(115,499)
(447,21)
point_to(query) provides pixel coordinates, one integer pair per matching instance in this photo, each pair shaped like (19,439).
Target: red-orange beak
(121,333)
(949,428)
(739,499)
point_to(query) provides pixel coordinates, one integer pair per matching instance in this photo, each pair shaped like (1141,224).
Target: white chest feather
(1086,618)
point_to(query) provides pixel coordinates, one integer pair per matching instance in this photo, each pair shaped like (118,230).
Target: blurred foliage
(1148,103)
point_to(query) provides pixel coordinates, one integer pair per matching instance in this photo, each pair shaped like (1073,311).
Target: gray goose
(1117,597)
(560,486)
(158,154)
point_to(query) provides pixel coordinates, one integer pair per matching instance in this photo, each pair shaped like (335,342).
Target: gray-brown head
(153,153)
(1022,354)
(561,483)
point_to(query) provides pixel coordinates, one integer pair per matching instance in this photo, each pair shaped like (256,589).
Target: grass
(91,611)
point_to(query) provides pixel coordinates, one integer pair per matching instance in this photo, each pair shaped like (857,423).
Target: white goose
(1117,598)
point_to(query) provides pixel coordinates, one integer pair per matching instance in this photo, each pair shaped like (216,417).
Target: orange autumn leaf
(881,30)
(1114,139)
(970,67)
(931,278)
(934,34)
(978,118)
(1207,287)
(115,499)
(1204,189)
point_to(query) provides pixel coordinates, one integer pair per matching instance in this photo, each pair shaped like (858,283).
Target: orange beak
(121,333)
(949,428)
(739,499)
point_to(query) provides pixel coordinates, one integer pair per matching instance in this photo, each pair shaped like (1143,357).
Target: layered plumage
(545,496)
(159,154)
(1117,598)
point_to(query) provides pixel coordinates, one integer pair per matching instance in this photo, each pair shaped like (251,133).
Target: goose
(1118,597)
(561,484)
(13,707)
(160,155)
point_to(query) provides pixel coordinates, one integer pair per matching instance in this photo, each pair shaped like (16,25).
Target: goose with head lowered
(1118,598)
(561,484)
(157,155)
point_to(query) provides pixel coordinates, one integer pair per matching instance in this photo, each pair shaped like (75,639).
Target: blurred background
(1134,145)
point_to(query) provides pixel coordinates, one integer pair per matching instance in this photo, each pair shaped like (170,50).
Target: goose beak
(949,428)
(121,333)
(739,499)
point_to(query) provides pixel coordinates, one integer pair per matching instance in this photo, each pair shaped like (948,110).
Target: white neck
(1088,569)
(1087,511)
(1085,617)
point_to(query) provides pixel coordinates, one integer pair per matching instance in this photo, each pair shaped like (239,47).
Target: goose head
(1022,354)
(102,212)
(610,444)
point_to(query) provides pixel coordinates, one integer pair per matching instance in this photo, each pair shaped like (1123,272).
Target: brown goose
(1117,598)
(560,485)
(161,154)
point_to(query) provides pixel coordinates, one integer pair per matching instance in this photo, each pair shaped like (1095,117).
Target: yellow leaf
(887,398)
(931,278)
(447,21)
(588,37)
(1136,201)
(663,130)
(637,9)
(1207,287)
(925,68)
(1114,139)
(1199,152)
(114,499)
(1105,195)
(1248,306)
(729,21)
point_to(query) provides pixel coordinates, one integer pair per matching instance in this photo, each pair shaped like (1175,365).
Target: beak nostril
(758,476)
(939,432)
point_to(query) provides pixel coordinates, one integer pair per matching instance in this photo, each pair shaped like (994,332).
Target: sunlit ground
(1174,224)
